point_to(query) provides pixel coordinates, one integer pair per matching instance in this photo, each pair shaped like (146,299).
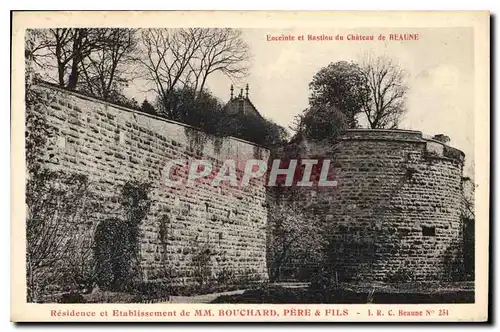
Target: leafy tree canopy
(340,85)
(205,111)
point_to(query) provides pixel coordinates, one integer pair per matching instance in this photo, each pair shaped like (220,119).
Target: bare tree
(59,205)
(166,56)
(36,49)
(178,58)
(64,49)
(386,102)
(291,235)
(221,50)
(109,67)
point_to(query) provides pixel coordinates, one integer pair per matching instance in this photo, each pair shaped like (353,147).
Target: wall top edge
(83,96)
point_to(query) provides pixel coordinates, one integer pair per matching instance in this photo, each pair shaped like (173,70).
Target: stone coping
(132,110)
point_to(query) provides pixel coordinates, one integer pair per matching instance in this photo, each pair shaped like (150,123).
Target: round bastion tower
(395,214)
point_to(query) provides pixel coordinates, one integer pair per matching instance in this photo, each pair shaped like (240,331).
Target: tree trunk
(60,72)
(73,76)
(75,60)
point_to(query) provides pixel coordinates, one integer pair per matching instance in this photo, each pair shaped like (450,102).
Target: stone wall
(395,214)
(113,145)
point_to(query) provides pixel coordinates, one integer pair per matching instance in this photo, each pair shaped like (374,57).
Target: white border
(212,5)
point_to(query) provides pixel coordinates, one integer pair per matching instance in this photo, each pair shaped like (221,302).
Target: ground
(425,292)
(357,293)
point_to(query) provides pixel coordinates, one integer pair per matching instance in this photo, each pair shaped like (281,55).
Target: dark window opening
(428,231)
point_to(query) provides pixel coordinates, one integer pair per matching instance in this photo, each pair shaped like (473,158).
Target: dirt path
(204,298)
(208,298)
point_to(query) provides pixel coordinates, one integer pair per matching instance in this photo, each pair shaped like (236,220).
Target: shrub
(226,277)
(61,207)
(402,275)
(202,262)
(323,280)
(292,237)
(73,297)
(116,248)
(453,264)
(113,255)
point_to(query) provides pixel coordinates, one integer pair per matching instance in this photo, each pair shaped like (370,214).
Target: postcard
(250,166)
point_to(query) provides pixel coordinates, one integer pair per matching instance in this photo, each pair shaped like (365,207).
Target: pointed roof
(242,104)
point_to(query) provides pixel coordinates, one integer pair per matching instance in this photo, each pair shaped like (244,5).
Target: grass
(279,295)
(346,293)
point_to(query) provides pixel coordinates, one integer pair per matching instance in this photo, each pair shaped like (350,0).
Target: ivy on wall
(116,247)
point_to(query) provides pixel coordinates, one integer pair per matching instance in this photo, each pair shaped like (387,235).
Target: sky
(440,65)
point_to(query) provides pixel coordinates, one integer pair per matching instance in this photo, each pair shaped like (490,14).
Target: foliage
(252,128)
(291,236)
(340,86)
(135,201)
(337,94)
(201,260)
(352,249)
(163,240)
(184,105)
(276,134)
(226,276)
(112,255)
(147,107)
(116,248)
(455,268)
(453,263)
(442,138)
(341,91)
(82,267)
(468,202)
(323,280)
(206,112)
(119,98)
(60,206)
(37,130)
(469,250)
(322,123)
(403,274)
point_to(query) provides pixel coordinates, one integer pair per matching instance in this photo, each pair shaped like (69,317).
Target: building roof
(241,104)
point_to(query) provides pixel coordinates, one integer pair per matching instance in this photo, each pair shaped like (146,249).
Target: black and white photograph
(293,165)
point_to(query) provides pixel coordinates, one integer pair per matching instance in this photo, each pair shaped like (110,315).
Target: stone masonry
(112,144)
(395,213)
